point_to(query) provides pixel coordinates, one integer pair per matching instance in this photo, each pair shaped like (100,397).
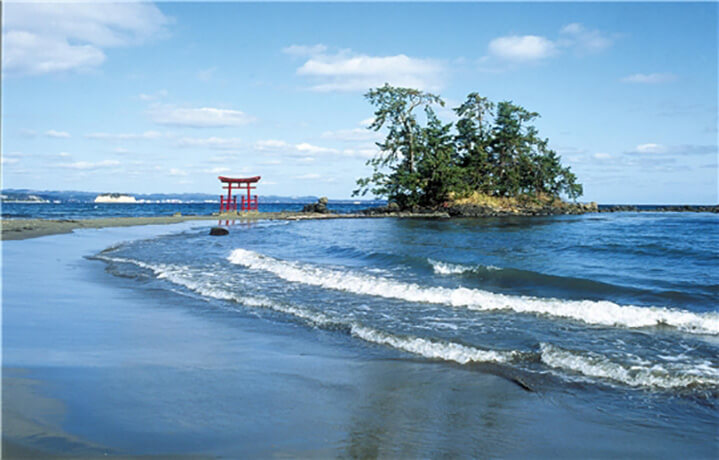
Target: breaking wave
(432,349)
(665,376)
(603,313)
(446,268)
(668,375)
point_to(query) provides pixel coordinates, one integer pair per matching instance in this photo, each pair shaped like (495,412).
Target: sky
(145,98)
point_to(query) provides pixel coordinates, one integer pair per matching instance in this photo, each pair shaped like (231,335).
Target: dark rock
(319,207)
(219,231)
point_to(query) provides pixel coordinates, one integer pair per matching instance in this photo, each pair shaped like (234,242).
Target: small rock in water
(218,231)
(177,214)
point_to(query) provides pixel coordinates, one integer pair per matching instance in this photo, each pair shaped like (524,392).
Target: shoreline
(20,229)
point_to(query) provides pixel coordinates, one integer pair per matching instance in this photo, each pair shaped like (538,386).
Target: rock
(392,206)
(319,207)
(219,231)
(177,214)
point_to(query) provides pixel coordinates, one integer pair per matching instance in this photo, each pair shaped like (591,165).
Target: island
(115,198)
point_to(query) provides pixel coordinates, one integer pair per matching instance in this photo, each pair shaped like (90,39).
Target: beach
(110,359)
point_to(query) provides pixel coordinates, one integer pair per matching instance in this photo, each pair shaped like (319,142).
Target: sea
(615,314)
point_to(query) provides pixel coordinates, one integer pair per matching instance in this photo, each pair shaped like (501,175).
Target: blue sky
(141,97)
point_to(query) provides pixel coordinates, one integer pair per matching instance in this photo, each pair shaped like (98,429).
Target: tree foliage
(494,149)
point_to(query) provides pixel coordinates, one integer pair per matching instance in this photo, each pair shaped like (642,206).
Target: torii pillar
(248,202)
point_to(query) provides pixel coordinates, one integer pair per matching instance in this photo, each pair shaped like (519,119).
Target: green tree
(438,167)
(472,140)
(395,168)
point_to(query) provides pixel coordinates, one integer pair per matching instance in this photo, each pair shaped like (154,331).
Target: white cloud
(366,122)
(64,154)
(515,49)
(57,134)
(41,37)
(584,40)
(650,78)
(602,156)
(306,160)
(522,48)
(86,165)
(346,71)
(309,148)
(304,50)
(124,136)
(203,117)
(9,161)
(217,143)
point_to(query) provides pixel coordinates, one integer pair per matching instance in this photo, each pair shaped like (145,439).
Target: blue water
(81,210)
(619,310)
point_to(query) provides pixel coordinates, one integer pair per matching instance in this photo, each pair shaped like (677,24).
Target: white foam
(446,268)
(603,313)
(652,375)
(448,351)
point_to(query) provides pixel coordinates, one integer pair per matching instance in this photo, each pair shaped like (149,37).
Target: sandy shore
(20,229)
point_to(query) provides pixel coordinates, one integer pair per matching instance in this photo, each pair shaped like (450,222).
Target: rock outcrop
(320,207)
(219,231)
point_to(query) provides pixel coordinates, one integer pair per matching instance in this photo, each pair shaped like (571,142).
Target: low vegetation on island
(492,158)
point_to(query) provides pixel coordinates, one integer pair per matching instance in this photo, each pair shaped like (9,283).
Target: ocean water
(615,312)
(82,210)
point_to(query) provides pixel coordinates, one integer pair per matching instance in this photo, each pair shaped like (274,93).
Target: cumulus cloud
(522,48)
(516,49)
(348,71)
(650,78)
(47,37)
(57,134)
(203,117)
(86,165)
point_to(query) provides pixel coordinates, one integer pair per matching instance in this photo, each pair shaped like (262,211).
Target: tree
(495,153)
(438,168)
(395,111)
(472,140)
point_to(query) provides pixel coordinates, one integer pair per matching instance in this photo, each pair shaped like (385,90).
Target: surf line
(603,313)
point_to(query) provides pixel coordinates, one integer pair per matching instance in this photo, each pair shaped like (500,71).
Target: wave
(676,374)
(665,376)
(432,349)
(603,313)
(446,268)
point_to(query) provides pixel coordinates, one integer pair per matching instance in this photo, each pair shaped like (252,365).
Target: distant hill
(88,197)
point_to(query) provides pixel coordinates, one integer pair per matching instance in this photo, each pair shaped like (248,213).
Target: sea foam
(603,313)
(665,376)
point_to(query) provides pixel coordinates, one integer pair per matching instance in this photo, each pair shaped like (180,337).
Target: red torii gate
(247,203)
